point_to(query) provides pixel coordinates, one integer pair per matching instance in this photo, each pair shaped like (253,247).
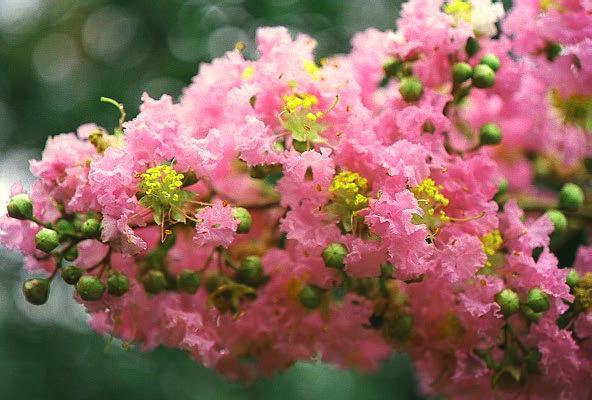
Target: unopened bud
(310,297)
(411,89)
(571,197)
(558,220)
(472,47)
(334,254)
(91,228)
(483,76)
(154,281)
(461,72)
(90,288)
(71,274)
(47,239)
(20,207)
(491,61)
(117,284)
(188,281)
(490,134)
(508,301)
(244,219)
(538,300)
(36,291)
(250,270)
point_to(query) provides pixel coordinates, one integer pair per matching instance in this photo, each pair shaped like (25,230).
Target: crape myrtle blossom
(420,194)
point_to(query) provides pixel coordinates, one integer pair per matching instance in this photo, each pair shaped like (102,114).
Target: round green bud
(117,283)
(483,76)
(71,254)
(571,197)
(538,300)
(490,134)
(64,227)
(188,281)
(411,89)
(558,219)
(472,47)
(91,228)
(90,288)
(334,254)
(299,146)
(20,207)
(573,278)
(244,219)
(250,270)
(530,314)
(508,301)
(47,239)
(392,66)
(310,297)
(402,326)
(491,61)
(154,281)
(36,291)
(461,72)
(212,280)
(552,50)
(71,274)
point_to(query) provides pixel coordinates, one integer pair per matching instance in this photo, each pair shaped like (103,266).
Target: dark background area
(57,57)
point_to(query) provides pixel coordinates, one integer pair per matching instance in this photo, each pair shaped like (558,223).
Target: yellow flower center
(350,189)
(162,183)
(575,109)
(460,10)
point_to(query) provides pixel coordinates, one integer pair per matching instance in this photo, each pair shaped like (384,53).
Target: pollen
(300,101)
(248,73)
(350,188)
(460,10)
(312,69)
(583,292)
(492,242)
(162,183)
(428,191)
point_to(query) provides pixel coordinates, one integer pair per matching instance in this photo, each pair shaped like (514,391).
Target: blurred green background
(57,57)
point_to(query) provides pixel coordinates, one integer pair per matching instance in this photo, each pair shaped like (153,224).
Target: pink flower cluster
(288,210)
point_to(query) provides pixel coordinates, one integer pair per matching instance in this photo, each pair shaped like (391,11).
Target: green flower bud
(36,291)
(250,270)
(508,301)
(91,228)
(472,47)
(64,227)
(461,72)
(558,219)
(90,288)
(71,274)
(47,239)
(530,314)
(483,76)
(188,281)
(299,146)
(411,89)
(491,61)
(490,134)
(310,297)
(20,207)
(71,254)
(154,281)
(244,219)
(573,278)
(117,283)
(532,359)
(571,197)
(552,50)
(212,281)
(392,67)
(538,300)
(334,254)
